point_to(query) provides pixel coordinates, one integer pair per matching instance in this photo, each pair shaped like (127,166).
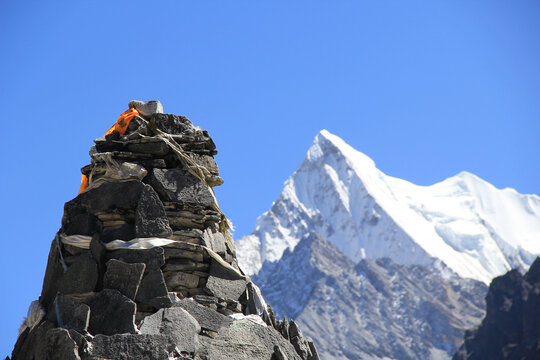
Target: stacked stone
(144,266)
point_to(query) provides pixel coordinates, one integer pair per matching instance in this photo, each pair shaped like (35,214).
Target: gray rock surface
(224,283)
(206,317)
(111,313)
(177,185)
(246,340)
(153,289)
(71,313)
(147,108)
(129,347)
(123,277)
(80,277)
(150,217)
(177,324)
(373,310)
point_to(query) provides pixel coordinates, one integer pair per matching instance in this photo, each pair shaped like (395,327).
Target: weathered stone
(111,313)
(53,274)
(153,258)
(80,222)
(295,335)
(208,318)
(71,313)
(177,185)
(82,341)
(224,282)
(278,354)
(313,350)
(128,347)
(123,277)
(206,161)
(152,289)
(147,108)
(123,231)
(171,253)
(107,196)
(60,346)
(176,323)
(32,344)
(81,277)
(186,280)
(154,148)
(172,124)
(245,340)
(215,241)
(184,265)
(150,217)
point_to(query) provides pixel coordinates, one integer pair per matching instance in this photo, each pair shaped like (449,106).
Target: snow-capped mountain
(462,223)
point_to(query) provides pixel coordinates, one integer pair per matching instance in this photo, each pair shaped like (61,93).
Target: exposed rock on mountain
(473,228)
(511,328)
(375,309)
(144,266)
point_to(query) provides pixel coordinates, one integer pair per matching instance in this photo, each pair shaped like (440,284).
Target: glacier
(463,223)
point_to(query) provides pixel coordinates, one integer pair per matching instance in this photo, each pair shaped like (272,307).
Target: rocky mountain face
(373,309)
(511,327)
(144,266)
(465,223)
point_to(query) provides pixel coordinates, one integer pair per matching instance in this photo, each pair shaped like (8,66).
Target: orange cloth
(123,122)
(120,127)
(84,183)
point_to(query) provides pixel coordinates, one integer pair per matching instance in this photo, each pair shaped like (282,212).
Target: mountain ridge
(463,221)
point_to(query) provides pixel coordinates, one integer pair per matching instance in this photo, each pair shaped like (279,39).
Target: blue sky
(425,88)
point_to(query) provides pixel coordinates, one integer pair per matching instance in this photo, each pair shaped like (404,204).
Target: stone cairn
(144,265)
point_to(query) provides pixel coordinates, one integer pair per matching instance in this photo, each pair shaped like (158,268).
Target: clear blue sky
(425,88)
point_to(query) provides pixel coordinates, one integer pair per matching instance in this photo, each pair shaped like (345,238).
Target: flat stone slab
(153,290)
(150,217)
(71,313)
(111,313)
(153,258)
(177,185)
(225,283)
(209,319)
(176,323)
(123,277)
(80,277)
(129,346)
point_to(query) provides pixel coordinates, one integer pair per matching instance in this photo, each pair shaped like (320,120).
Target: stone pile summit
(144,265)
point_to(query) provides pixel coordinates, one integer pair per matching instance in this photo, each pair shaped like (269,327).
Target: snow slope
(463,222)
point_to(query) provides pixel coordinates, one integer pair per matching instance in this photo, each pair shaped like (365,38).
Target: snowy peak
(463,222)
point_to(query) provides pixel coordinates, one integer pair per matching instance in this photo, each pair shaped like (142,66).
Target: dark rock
(172,124)
(150,217)
(111,313)
(128,347)
(123,277)
(313,350)
(224,282)
(278,354)
(158,148)
(82,223)
(208,319)
(32,344)
(109,195)
(176,323)
(510,329)
(53,274)
(177,185)
(122,232)
(71,313)
(81,277)
(83,342)
(60,346)
(153,258)
(153,290)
